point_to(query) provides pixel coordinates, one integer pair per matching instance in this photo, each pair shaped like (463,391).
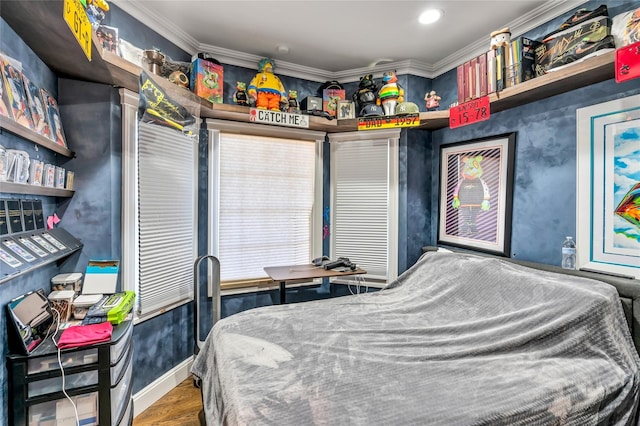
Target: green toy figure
(266,88)
(293,106)
(240,96)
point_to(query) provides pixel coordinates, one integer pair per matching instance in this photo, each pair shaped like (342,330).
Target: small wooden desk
(304,272)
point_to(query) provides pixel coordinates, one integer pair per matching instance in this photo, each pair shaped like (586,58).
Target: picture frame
(476,194)
(608,187)
(345,109)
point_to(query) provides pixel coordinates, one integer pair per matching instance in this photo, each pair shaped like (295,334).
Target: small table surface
(303,272)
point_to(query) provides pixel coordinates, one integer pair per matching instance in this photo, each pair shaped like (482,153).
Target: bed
(458,339)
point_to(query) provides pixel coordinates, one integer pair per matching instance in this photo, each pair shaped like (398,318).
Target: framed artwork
(345,109)
(608,187)
(475,196)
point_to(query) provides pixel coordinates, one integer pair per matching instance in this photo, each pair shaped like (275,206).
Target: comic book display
(16,96)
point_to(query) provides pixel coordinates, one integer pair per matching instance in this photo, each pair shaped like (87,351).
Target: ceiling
(332,39)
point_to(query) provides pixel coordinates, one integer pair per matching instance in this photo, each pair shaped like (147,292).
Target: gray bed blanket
(458,339)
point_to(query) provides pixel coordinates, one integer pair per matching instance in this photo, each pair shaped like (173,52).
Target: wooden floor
(179,407)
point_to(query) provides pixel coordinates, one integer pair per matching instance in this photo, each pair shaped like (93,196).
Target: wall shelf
(41,26)
(25,188)
(26,133)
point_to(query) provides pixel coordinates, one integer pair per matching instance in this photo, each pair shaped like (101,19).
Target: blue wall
(544,189)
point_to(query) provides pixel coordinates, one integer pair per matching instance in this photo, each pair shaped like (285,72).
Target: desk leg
(283,294)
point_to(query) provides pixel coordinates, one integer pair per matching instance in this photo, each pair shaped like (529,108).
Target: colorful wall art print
(476,179)
(609,187)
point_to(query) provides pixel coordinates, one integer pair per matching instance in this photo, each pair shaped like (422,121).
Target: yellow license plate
(388,122)
(75,16)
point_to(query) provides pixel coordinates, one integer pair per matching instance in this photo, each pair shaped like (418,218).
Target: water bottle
(569,253)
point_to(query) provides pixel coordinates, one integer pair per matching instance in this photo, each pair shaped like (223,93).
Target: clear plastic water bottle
(569,253)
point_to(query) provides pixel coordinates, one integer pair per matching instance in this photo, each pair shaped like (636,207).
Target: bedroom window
(159,204)
(364,201)
(265,198)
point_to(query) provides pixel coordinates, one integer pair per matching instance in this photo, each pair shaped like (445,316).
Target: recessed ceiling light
(282,49)
(430,16)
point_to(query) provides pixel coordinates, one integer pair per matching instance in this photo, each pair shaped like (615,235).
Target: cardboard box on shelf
(207,80)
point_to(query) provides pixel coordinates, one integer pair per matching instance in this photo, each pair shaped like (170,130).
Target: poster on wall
(608,198)
(476,180)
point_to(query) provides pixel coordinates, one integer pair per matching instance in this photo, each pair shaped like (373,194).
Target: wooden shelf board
(575,76)
(24,188)
(26,133)
(42,27)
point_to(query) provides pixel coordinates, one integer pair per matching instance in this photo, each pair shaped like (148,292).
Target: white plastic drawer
(54,384)
(116,370)
(120,392)
(127,414)
(69,359)
(118,349)
(61,413)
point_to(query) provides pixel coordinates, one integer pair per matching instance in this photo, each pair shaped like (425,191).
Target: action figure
(366,93)
(293,106)
(240,96)
(390,93)
(432,100)
(266,88)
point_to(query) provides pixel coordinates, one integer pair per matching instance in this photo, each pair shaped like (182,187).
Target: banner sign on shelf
(628,62)
(469,112)
(388,122)
(75,16)
(278,118)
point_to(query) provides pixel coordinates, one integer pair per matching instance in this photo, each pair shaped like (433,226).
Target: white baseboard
(161,386)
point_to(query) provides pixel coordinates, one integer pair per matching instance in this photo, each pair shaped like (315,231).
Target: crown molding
(536,18)
(151,19)
(539,16)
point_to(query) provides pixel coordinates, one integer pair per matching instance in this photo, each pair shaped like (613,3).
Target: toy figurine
(293,106)
(240,96)
(501,38)
(390,93)
(366,93)
(266,88)
(432,100)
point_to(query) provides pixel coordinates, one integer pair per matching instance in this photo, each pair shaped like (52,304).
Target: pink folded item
(85,335)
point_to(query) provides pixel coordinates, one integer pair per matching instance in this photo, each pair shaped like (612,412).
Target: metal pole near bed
(214,284)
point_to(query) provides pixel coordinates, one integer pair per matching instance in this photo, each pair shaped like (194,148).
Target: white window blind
(267,196)
(364,203)
(167,216)
(159,207)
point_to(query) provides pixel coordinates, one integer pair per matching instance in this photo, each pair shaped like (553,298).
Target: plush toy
(432,100)
(265,88)
(293,106)
(240,96)
(390,93)
(471,194)
(366,93)
(501,38)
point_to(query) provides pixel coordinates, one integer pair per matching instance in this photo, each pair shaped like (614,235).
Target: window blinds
(266,204)
(167,216)
(364,201)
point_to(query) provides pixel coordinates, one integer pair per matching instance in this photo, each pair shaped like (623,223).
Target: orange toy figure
(266,88)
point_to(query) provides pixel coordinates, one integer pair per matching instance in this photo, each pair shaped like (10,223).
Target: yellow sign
(388,122)
(76,18)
